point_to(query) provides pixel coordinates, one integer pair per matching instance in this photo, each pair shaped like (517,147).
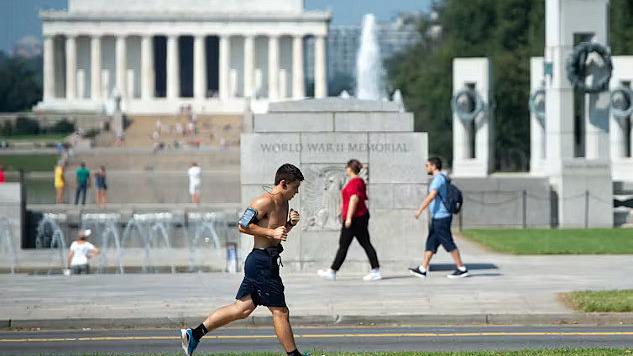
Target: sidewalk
(502,289)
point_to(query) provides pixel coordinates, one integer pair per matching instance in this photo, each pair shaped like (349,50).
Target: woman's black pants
(359,230)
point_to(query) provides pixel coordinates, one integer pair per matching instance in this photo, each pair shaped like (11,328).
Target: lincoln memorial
(218,56)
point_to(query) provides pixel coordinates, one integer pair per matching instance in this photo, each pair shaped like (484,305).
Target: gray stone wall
(10,209)
(320,136)
(512,200)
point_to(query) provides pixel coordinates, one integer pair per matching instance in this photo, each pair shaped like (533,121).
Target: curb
(332,320)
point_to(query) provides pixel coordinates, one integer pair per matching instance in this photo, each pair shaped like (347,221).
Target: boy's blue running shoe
(188,342)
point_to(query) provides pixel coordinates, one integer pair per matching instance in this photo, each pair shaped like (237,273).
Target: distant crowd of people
(83,182)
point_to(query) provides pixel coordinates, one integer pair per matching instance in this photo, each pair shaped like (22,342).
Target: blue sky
(18,18)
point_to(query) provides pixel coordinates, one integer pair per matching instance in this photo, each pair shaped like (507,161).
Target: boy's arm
(263,206)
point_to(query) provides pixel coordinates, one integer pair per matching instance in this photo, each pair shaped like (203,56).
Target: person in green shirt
(83,181)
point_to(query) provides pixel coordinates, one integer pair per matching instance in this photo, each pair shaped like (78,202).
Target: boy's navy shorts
(440,234)
(262,281)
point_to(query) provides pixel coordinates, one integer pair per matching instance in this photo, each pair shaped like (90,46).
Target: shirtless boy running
(269,220)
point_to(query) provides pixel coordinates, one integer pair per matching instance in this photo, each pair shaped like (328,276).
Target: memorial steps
(210,130)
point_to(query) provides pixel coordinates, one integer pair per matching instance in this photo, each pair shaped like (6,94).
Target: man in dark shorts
(268,219)
(441,219)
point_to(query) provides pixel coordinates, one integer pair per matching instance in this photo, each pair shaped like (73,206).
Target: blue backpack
(454,198)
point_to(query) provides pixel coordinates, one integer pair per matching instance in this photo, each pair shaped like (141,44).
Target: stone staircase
(211,130)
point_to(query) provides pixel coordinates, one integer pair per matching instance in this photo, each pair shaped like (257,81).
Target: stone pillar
(121,66)
(621,163)
(225,64)
(273,67)
(320,75)
(298,81)
(572,179)
(474,74)
(597,126)
(249,66)
(49,68)
(95,68)
(147,67)
(537,126)
(71,67)
(199,68)
(173,73)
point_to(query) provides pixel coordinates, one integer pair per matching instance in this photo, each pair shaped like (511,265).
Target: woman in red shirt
(355,220)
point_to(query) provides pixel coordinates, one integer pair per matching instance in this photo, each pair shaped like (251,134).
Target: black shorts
(262,281)
(440,234)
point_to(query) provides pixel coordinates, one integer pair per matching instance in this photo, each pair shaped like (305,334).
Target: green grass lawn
(603,301)
(560,241)
(30,163)
(53,137)
(570,352)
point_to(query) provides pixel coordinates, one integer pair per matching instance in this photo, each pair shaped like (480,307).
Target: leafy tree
(506,31)
(621,36)
(20,83)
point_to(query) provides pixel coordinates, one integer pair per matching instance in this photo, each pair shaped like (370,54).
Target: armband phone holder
(249,216)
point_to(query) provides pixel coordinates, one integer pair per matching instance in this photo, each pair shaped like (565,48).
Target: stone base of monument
(319,137)
(584,193)
(504,200)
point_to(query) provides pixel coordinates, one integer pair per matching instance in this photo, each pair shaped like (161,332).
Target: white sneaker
(372,276)
(327,274)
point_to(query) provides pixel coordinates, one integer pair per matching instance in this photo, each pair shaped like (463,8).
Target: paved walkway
(502,289)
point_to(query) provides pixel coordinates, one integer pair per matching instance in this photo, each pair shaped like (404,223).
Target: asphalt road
(319,340)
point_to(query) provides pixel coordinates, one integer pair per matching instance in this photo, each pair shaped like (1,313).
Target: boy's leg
(426,260)
(457,258)
(241,309)
(281,320)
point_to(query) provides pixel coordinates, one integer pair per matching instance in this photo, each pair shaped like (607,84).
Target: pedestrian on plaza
(441,219)
(82,178)
(60,181)
(195,182)
(81,251)
(2,180)
(101,186)
(355,218)
(269,220)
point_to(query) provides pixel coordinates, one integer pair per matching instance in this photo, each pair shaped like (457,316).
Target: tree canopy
(20,83)
(508,32)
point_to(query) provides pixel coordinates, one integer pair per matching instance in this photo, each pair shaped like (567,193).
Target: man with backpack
(443,201)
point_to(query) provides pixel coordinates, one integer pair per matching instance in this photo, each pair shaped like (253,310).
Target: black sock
(199,332)
(294,353)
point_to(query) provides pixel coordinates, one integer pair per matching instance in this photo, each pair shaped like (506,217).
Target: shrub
(26,126)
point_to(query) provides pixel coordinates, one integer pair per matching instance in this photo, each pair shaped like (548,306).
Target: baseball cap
(85,233)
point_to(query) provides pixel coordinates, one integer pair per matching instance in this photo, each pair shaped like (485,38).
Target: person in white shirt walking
(195,182)
(80,252)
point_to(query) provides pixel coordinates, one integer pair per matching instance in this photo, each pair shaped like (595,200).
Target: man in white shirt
(80,252)
(195,182)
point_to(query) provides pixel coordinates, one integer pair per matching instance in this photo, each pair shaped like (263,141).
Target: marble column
(320,75)
(273,67)
(249,66)
(147,67)
(225,64)
(199,68)
(298,81)
(71,67)
(95,68)
(49,67)
(121,66)
(173,72)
